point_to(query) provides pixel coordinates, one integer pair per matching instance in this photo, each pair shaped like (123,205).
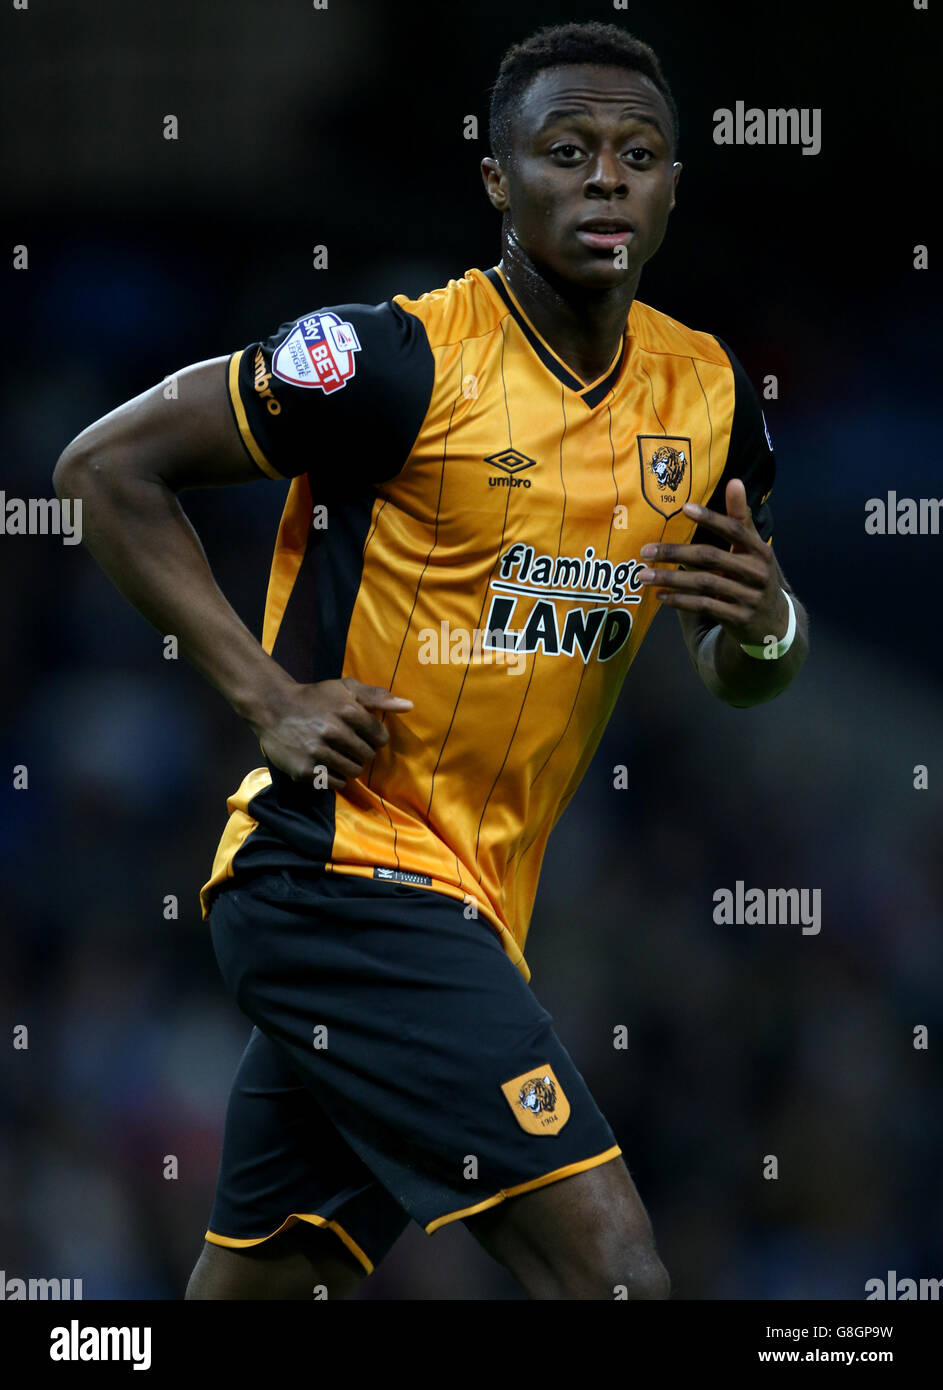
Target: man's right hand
(327,725)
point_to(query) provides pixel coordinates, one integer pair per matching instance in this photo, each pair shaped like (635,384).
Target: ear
(495,181)
(674,185)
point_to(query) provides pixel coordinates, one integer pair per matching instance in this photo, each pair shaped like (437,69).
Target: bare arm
(128,468)
(729,673)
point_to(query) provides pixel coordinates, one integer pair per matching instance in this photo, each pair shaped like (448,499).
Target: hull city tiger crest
(665,461)
(319,351)
(537,1101)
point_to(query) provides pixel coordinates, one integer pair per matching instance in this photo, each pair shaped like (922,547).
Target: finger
(340,783)
(375,696)
(346,742)
(749,569)
(338,764)
(702,582)
(732,614)
(743,534)
(339,770)
(359,719)
(736,500)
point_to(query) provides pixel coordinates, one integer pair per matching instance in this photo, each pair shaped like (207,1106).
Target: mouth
(605,233)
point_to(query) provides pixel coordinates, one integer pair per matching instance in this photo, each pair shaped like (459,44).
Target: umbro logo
(511,462)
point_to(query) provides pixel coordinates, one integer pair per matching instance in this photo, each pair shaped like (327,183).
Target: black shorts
(400,1066)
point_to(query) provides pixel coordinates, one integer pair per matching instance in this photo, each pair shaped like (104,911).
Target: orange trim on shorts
(230,1242)
(534,1183)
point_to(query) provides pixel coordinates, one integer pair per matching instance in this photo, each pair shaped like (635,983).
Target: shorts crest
(537,1101)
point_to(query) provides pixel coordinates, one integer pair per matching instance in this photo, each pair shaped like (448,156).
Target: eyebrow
(565,113)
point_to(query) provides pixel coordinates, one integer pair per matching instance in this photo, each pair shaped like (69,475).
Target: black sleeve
(749,456)
(344,389)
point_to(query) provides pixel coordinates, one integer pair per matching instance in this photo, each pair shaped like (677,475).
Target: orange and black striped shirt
(463,527)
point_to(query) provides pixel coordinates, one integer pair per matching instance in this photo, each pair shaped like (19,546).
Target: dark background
(344,127)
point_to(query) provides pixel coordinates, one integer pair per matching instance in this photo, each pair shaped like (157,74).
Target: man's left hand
(738,588)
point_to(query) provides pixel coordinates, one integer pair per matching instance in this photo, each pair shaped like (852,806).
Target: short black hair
(605,45)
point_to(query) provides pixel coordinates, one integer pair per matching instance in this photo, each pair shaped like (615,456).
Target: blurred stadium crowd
(743,1041)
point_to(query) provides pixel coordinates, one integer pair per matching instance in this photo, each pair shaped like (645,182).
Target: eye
(566,153)
(640,150)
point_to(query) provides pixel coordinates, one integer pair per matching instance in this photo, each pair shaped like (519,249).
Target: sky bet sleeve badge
(666,472)
(319,351)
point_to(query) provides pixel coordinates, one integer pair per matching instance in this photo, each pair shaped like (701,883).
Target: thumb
(376,697)
(737,506)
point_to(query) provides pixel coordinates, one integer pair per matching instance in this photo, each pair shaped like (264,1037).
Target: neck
(583,326)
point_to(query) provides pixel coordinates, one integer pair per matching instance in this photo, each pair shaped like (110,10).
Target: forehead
(603,93)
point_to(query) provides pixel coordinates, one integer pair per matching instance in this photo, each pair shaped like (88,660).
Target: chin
(600,274)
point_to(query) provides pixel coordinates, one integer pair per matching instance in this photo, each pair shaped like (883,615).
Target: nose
(607,177)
